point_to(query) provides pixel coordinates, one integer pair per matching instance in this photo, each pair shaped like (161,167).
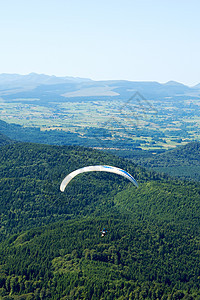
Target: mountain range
(32,85)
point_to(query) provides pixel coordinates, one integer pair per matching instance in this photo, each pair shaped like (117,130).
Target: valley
(145,115)
(50,242)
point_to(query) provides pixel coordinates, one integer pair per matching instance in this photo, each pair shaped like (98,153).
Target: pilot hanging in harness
(103,232)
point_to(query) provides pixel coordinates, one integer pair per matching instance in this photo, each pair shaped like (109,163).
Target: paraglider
(100,168)
(103,232)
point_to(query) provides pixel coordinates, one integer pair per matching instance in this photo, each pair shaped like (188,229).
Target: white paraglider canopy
(109,169)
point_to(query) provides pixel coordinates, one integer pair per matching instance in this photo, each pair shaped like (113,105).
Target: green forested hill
(183,161)
(51,246)
(4,140)
(30,176)
(35,135)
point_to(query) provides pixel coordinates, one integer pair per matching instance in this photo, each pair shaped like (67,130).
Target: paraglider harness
(103,232)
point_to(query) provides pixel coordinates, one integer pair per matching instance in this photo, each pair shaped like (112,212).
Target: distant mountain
(33,80)
(15,86)
(176,87)
(183,161)
(197,86)
(174,83)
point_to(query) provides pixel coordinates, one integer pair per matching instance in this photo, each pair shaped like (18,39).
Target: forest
(182,162)
(50,242)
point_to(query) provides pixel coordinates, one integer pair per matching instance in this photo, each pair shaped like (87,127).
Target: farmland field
(152,124)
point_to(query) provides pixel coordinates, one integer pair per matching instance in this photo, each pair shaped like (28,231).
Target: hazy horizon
(86,78)
(129,40)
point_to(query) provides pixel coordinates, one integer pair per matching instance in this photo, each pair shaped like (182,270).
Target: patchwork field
(106,114)
(147,124)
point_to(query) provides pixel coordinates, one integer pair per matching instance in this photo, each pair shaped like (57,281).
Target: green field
(150,125)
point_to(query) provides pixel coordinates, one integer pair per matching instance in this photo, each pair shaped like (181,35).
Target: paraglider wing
(109,169)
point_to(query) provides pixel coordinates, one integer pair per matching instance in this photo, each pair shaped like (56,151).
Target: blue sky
(156,40)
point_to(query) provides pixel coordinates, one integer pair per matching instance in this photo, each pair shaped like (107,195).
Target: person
(103,232)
